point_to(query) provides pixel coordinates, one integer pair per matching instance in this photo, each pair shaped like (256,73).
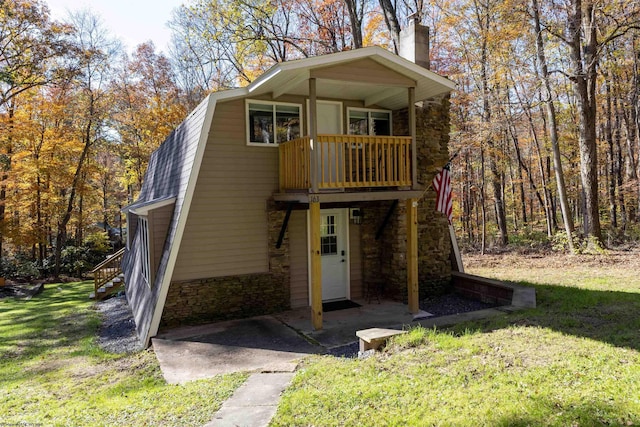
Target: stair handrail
(107,270)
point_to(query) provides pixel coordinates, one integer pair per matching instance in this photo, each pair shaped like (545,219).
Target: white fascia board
(226,95)
(264,78)
(144,207)
(182,220)
(312,62)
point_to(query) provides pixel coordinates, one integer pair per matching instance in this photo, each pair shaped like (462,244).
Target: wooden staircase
(108,277)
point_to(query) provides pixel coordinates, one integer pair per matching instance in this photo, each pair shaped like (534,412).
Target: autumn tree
(149,107)
(31,46)
(89,109)
(585,27)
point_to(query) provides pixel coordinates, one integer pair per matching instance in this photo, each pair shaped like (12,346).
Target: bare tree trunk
(467,196)
(545,189)
(636,103)
(482,203)
(5,166)
(584,61)
(62,225)
(553,128)
(512,187)
(619,162)
(356,15)
(486,118)
(608,135)
(523,198)
(391,19)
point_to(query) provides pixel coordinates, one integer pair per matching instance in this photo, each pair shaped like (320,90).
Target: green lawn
(573,361)
(52,372)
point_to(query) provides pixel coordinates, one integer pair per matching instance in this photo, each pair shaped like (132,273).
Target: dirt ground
(627,258)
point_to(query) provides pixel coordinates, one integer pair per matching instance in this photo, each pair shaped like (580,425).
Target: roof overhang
(143,208)
(291,78)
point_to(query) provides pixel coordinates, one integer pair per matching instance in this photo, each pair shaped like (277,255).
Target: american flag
(442,185)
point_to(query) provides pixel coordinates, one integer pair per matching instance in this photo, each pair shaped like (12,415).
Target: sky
(132,21)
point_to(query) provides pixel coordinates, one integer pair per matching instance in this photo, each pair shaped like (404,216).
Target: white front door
(333,250)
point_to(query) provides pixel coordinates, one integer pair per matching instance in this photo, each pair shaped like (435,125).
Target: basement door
(334,256)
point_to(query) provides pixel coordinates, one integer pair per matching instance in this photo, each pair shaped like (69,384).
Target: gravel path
(448,304)
(117,334)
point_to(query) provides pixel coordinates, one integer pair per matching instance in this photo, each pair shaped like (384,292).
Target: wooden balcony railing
(347,161)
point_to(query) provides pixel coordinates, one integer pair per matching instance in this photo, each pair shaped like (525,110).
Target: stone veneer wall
(384,260)
(433,126)
(234,297)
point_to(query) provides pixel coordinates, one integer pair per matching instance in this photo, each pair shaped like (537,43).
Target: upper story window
(369,122)
(272,122)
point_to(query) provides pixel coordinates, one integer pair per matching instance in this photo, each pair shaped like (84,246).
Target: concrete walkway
(258,344)
(254,403)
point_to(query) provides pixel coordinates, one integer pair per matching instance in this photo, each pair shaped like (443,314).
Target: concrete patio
(277,342)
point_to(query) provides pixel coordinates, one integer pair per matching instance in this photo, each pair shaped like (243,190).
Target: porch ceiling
(390,97)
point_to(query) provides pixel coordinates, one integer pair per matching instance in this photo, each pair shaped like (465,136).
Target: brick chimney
(414,42)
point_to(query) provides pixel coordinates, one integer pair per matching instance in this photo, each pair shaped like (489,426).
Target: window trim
(131,217)
(369,111)
(273,104)
(145,249)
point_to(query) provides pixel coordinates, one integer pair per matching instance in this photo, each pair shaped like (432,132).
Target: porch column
(412,255)
(313,134)
(316,266)
(412,131)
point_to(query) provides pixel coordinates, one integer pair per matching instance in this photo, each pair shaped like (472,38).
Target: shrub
(581,245)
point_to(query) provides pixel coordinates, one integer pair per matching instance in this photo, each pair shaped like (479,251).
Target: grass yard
(52,373)
(573,361)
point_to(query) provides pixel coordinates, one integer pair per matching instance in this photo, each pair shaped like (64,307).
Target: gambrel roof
(174,167)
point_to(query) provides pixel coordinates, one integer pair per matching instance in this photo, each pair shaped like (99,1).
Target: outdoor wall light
(355,215)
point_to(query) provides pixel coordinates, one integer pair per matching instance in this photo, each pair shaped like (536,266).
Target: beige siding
(226,232)
(364,71)
(298,259)
(355,261)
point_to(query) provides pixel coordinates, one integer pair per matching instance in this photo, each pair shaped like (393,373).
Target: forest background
(545,124)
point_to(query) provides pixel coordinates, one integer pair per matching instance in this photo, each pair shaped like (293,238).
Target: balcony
(345,162)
